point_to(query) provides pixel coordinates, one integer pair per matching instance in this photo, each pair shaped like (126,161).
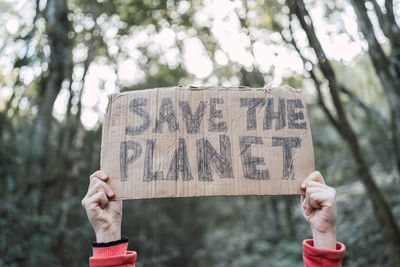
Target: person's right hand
(104,214)
(319,209)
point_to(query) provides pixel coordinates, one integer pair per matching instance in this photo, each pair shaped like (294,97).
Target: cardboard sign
(206,141)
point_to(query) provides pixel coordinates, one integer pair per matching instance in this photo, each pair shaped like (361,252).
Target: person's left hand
(104,213)
(319,209)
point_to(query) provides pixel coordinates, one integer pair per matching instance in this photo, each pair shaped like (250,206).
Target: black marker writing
(214,114)
(222,162)
(252,104)
(125,146)
(287,144)
(166,114)
(135,107)
(249,163)
(180,163)
(270,115)
(292,104)
(148,174)
(192,121)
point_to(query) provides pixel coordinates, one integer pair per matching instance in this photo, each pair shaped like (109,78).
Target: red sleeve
(115,256)
(317,257)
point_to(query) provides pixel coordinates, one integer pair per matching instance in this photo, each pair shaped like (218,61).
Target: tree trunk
(388,70)
(276,217)
(17,64)
(290,225)
(3,113)
(383,213)
(387,22)
(57,27)
(70,158)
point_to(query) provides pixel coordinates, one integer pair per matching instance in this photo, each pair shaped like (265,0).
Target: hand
(104,214)
(319,209)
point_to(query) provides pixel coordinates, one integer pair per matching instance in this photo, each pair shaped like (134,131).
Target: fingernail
(102,175)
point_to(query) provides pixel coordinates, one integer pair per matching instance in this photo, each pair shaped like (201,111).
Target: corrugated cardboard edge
(114,96)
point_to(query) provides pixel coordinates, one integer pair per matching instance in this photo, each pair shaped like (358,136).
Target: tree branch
(312,75)
(384,214)
(388,23)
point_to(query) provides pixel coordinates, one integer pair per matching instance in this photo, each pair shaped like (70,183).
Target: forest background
(59,59)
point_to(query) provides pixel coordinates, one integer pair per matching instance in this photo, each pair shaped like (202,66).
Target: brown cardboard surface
(206,141)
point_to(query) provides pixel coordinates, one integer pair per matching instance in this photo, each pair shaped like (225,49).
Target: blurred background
(60,59)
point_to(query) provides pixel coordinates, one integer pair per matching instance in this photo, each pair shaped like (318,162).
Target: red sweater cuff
(334,255)
(127,260)
(116,250)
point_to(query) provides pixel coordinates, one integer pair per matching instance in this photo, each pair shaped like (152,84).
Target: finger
(302,201)
(317,189)
(314,187)
(98,198)
(313,184)
(328,193)
(308,205)
(315,200)
(96,187)
(99,174)
(315,176)
(327,198)
(107,187)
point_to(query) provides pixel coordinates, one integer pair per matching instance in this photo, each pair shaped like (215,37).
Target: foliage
(41,219)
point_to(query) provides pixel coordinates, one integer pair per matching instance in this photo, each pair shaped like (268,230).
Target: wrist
(325,239)
(108,234)
(114,248)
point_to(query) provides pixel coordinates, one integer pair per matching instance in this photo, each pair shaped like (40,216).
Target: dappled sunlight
(61,59)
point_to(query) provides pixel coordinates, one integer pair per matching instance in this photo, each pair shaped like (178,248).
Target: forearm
(108,234)
(325,240)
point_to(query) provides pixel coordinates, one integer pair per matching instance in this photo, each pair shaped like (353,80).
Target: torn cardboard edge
(206,141)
